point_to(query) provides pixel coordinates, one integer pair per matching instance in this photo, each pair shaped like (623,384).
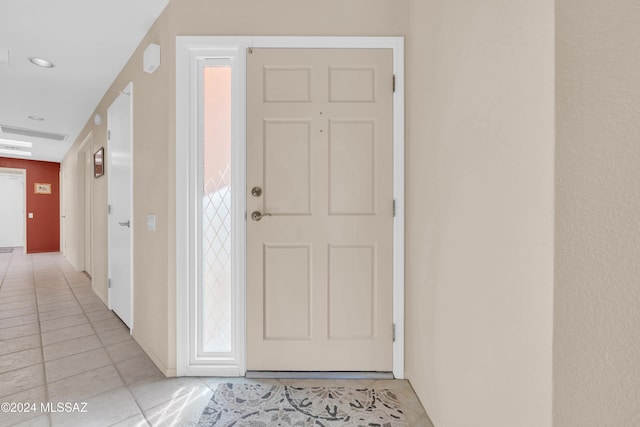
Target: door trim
(190,60)
(188,50)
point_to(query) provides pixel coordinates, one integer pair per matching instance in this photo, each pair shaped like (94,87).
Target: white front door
(320,209)
(118,152)
(12,212)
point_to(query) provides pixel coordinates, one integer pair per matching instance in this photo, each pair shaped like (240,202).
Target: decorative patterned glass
(215,292)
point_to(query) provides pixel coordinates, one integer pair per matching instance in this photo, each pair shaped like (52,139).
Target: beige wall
(480,191)
(597,292)
(154,134)
(73,209)
(73,182)
(479,269)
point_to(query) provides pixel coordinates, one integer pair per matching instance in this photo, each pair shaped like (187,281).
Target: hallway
(59,343)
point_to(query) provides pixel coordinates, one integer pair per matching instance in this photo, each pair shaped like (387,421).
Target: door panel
(351,292)
(120,216)
(319,262)
(287,272)
(287,163)
(351,167)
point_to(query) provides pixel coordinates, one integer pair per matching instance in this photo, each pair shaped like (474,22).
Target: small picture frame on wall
(40,188)
(98,163)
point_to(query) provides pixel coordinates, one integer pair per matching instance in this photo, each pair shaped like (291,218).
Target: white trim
(398,223)
(184,110)
(188,47)
(189,62)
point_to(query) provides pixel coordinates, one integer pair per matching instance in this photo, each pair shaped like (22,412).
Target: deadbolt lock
(256,191)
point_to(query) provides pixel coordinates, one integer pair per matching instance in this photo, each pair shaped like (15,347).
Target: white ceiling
(89,41)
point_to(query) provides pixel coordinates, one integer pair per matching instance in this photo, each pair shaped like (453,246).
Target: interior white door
(119,124)
(12,212)
(320,209)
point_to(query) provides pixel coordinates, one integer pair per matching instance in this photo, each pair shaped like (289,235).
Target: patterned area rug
(261,405)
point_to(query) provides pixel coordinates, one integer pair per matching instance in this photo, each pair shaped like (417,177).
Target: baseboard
(154,358)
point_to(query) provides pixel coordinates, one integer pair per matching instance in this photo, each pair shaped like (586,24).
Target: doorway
(12,209)
(320,223)
(193,52)
(120,226)
(88,209)
(83,224)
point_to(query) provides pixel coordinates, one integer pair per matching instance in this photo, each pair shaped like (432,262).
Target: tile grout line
(21,324)
(124,383)
(102,346)
(4,274)
(70,339)
(21,367)
(25,307)
(20,315)
(17,338)
(44,369)
(46,383)
(173,397)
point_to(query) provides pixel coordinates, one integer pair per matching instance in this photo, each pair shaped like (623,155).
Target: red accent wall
(43,231)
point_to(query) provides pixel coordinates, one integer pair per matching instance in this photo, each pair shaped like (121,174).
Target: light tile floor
(60,343)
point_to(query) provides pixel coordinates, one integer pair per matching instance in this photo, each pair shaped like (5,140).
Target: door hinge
(109,132)
(394,208)
(394,332)
(109,209)
(394,83)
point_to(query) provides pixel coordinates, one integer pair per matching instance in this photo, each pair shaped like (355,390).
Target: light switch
(151,222)
(30,214)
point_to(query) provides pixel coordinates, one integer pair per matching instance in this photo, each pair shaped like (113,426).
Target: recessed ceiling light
(37,118)
(41,62)
(15,152)
(32,133)
(19,143)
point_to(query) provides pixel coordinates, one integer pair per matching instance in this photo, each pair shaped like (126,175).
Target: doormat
(6,250)
(252,405)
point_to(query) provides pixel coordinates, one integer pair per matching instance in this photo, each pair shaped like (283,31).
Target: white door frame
(189,50)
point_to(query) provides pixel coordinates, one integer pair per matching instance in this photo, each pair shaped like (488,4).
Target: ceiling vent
(33,133)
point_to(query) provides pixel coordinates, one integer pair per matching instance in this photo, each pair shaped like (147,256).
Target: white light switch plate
(30,214)
(151,222)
